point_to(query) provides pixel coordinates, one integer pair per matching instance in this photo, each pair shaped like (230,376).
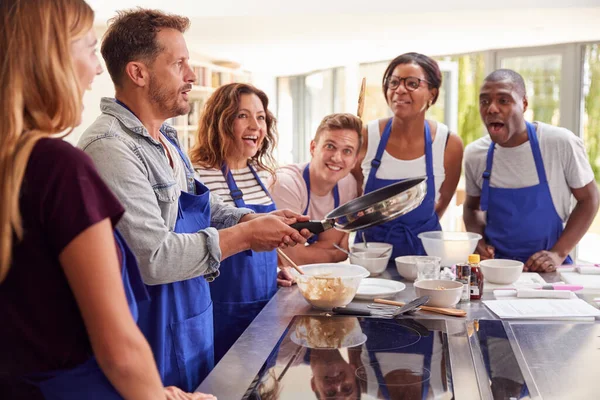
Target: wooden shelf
(208,78)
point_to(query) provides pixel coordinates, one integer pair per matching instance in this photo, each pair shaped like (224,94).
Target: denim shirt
(135,167)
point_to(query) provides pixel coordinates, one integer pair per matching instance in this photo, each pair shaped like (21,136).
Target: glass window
(588,251)
(542,80)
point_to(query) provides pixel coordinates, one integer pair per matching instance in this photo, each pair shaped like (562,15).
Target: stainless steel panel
(563,358)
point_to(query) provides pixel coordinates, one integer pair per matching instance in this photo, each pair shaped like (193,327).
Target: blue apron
(402,232)
(520,222)
(178,321)
(378,339)
(247,282)
(336,198)
(87,381)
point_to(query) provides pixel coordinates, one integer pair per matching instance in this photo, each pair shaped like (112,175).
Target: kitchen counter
(549,353)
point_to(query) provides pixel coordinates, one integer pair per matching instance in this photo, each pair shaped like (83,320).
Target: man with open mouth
(520,180)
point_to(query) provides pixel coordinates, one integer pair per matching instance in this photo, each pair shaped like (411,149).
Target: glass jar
(476,283)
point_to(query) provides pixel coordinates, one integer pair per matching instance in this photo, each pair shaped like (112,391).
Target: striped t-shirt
(252,192)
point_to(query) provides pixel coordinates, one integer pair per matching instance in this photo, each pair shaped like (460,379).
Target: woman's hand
(174,393)
(285,277)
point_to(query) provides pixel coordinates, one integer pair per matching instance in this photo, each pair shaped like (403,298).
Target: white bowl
(371,261)
(442,293)
(407,265)
(372,247)
(451,247)
(499,271)
(325,286)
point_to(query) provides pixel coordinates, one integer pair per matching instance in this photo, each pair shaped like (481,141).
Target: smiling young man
(317,187)
(520,180)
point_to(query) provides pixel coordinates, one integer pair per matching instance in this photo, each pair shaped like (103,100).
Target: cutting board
(526,278)
(590,283)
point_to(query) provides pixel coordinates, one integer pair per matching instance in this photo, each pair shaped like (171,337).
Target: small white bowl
(371,261)
(407,265)
(499,271)
(372,247)
(442,293)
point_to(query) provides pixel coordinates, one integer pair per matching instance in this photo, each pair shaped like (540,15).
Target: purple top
(41,327)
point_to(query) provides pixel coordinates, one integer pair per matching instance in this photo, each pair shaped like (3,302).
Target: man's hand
(291,218)
(174,393)
(270,232)
(285,278)
(543,261)
(484,250)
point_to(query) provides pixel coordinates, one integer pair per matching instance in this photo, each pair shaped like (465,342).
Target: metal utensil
(373,208)
(342,249)
(413,305)
(440,310)
(364,238)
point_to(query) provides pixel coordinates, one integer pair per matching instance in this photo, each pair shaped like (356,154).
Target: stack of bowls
(375,257)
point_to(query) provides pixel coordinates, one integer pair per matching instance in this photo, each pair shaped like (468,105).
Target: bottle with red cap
(476,283)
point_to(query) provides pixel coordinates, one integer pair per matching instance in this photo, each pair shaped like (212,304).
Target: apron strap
(537,154)
(235,193)
(376,161)
(306,177)
(485,188)
(429,163)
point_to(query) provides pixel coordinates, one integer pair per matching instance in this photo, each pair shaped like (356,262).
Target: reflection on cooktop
(356,358)
(505,377)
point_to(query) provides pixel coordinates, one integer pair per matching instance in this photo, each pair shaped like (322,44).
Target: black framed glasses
(411,83)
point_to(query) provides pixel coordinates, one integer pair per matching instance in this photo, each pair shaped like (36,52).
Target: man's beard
(167,102)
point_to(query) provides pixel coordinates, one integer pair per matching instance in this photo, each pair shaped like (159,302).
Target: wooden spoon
(440,310)
(361,98)
(289,260)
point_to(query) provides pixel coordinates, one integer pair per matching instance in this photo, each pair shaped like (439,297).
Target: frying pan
(373,208)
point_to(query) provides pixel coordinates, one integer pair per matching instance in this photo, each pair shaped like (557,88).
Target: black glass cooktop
(323,357)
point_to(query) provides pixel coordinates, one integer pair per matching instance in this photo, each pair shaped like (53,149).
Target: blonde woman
(66,277)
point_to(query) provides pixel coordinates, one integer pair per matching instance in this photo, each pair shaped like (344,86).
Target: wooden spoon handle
(361,98)
(440,310)
(289,260)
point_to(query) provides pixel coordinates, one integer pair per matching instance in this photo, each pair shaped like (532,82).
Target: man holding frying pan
(323,184)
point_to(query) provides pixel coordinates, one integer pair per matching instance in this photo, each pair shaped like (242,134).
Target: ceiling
(280,38)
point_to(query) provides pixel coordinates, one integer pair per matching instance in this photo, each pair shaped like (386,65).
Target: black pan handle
(315,227)
(351,311)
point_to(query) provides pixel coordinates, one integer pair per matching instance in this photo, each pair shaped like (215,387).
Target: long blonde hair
(39,93)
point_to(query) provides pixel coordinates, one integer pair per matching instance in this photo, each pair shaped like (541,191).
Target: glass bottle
(463,275)
(476,277)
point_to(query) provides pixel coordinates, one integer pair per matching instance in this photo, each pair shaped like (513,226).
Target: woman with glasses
(407,146)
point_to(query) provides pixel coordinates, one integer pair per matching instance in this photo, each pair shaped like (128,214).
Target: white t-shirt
(252,192)
(393,168)
(289,191)
(565,162)
(178,165)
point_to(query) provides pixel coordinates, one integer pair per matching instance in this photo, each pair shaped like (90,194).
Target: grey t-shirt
(565,161)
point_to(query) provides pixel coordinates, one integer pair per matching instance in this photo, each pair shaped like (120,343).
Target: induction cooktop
(345,357)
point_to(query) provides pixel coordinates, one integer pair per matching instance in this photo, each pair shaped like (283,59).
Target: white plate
(371,288)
